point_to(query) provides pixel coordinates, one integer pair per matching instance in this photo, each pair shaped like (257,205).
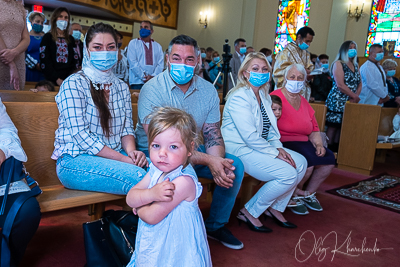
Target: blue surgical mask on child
(325,66)
(391,73)
(37,28)
(216,59)
(144,33)
(379,56)
(203,55)
(242,50)
(257,79)
(103,60)
(352,53)
(181,73)
(76,35)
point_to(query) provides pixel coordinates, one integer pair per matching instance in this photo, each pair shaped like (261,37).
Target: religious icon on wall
(388,48)
(384,28)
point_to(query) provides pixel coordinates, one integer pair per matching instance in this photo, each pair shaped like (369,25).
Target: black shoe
(279,222)
(242,218)
(225,236)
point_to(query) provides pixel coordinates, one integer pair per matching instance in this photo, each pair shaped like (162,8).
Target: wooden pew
(358,140)
(26,96)
(36,123)
(320,114)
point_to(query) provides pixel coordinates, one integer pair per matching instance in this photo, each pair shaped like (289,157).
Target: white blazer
(242,124)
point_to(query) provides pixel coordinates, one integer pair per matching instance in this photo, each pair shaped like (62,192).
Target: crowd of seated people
(268,130)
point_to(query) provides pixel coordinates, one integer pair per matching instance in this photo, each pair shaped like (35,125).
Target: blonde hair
(389,63)
(164,118)
(242,80)
(33,14)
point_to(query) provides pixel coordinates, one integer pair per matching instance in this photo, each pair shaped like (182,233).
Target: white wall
(255,20)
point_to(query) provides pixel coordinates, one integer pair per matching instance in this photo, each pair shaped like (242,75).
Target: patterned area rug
(381,191)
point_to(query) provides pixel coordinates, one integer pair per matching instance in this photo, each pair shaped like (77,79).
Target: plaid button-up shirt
(79,129)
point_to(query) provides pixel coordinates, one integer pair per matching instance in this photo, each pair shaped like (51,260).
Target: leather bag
(110,241)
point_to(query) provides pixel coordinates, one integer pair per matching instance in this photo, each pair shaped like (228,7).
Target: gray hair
(389,63)
(299,67)
(184,40)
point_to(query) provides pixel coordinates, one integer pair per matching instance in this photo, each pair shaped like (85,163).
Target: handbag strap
(8,223)
(10,174)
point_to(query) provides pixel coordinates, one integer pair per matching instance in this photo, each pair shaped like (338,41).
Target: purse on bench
(12,171)
(110,241)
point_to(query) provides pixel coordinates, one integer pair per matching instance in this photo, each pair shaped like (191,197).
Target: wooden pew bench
(358,140)
(26,96)
(36,123)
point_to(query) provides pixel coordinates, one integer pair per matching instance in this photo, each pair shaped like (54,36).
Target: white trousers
(280,177)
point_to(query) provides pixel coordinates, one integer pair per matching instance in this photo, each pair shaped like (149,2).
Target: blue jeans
(94,173)
(223,198)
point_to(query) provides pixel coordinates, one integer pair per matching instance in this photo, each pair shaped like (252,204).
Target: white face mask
(62,24)
(294,86)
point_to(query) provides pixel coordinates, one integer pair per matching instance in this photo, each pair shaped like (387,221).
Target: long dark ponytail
(99,96)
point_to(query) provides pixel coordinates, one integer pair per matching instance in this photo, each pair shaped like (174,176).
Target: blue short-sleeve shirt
(201,101)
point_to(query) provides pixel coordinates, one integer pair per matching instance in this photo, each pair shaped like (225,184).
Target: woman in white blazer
(250,132)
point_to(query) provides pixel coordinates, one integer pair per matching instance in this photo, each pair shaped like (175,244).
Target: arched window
(292,15)
(384,27)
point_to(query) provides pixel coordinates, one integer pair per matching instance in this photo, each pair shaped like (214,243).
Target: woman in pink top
(300,132)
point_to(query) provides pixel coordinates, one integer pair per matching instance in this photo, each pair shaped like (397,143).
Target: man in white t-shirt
(145,57)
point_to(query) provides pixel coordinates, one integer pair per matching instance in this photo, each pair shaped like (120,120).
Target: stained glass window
(384,27)
(292,15)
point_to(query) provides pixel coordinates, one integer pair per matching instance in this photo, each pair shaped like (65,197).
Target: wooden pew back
(358,140)
(36,123)
(386,121)
(320,115)
(26,96)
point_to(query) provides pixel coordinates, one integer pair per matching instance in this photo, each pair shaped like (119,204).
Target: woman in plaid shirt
(95,141)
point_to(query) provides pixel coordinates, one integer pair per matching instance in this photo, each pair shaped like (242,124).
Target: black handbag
(110,241)
(13,170)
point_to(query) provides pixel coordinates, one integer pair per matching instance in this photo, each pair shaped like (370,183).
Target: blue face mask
(304,46)
(242,50)
(76,35)
(257,79)
(181,73)
(203,55)
(325,66)
(391,73)
(216,59)
(352,53)
(37,28)
(103,60)
(379,56)
(144,33)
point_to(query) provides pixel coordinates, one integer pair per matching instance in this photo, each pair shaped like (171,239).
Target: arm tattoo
(212,135)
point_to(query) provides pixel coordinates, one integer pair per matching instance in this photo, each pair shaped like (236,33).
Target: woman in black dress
(58,57)
(346,87)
